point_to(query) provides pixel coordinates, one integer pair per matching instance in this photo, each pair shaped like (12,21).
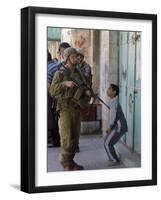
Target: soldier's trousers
(70,131)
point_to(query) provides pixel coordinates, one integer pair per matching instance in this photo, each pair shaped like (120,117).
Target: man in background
(53,127)
(54,66)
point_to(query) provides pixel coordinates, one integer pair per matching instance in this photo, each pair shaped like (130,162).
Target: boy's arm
(112,116)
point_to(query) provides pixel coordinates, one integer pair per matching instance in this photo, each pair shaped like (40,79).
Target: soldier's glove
(88,93)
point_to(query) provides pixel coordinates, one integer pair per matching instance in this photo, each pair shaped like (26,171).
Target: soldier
(84,67)
(70,99)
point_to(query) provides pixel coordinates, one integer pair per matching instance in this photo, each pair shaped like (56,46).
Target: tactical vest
(73,96)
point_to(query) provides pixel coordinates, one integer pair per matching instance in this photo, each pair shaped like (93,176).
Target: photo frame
(33,72)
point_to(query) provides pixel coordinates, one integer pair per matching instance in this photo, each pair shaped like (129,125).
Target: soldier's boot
(77,149)
(71,166)
(68,168)
(76,166)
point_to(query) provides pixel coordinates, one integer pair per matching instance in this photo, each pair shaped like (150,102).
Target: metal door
(130,86)
(137,95)
(130,89)
(123,69)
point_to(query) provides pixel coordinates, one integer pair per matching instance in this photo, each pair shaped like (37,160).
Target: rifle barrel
(80,85)
(103,102)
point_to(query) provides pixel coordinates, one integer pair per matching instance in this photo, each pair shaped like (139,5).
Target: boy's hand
(108,130)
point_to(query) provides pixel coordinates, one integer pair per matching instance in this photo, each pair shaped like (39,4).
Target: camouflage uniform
(86,70)
(69,103)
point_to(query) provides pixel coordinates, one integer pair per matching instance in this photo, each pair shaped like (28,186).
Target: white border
(93,176)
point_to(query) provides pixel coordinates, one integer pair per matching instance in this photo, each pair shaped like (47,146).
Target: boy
(117,126)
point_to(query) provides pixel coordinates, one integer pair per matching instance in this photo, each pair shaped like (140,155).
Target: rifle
(97,97)
(83,85)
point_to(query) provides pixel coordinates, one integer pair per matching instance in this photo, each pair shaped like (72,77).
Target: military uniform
(69,103)
(86,70)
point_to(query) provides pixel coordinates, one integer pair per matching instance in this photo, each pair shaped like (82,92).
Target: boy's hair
(115,88)
(64,45)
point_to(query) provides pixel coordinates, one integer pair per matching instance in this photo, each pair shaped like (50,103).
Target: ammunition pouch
(78,94)
(73,96)
(80,99)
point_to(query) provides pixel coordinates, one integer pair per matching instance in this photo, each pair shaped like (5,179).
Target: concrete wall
(113,57)
(104,68)
(78,38)
(53,48)
(95,46)
(108,69)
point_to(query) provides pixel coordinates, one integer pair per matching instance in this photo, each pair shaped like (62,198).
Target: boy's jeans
(112,139)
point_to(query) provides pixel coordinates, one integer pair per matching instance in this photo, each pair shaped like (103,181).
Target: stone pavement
(92,155)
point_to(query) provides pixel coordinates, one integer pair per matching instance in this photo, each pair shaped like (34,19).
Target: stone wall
(104,68)
(113,57)
(53,48)
(78,38)
(108,69)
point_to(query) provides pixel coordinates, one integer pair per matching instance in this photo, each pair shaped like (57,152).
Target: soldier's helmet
(68,52)
(80,52)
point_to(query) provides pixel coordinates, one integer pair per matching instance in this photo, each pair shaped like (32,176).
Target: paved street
(92,155)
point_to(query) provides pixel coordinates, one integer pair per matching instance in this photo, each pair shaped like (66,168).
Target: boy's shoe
(114,163)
